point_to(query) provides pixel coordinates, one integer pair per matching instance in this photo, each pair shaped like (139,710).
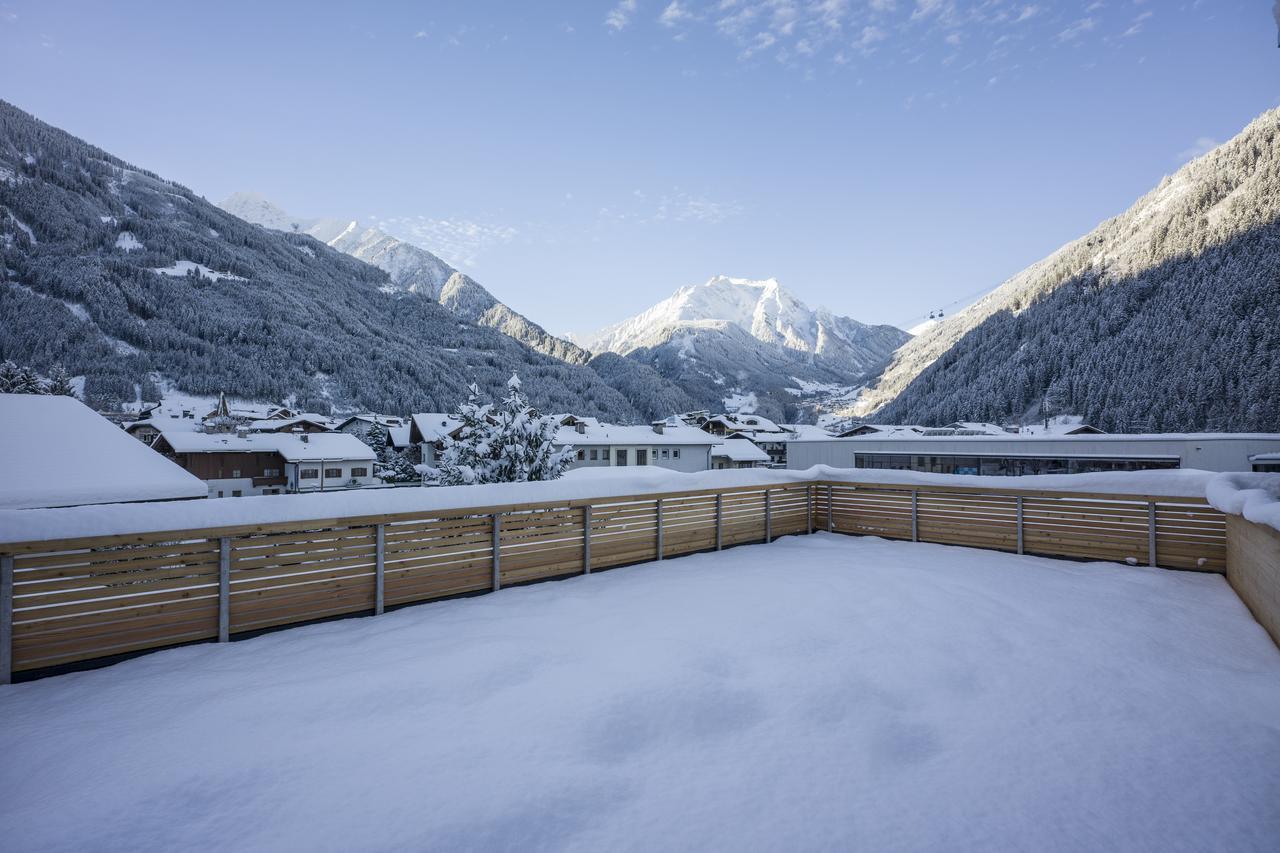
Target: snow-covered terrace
(821,693)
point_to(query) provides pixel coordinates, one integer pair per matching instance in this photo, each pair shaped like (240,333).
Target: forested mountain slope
(122,277)
(1165,318)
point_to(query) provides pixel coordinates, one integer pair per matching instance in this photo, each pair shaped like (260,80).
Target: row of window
(621,455)
(1003,466)
(330,473)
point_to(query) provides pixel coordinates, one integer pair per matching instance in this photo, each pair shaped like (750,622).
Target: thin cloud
(674,15)
(1203,145)
(620,16)
(460,242)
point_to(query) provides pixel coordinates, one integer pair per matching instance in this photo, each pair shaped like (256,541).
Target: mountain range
(728,338)
(134,281)
(1164,318)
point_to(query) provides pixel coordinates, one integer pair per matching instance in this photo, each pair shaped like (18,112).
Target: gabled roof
(286,424)
(389,421)
(56,451)
(309,447)
(739,450)
(745,423)
(432,426)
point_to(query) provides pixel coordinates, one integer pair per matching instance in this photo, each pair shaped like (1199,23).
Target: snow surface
(181,268)
(819,693)
(57,452)
(127,241)
(1254,496)
(36,525)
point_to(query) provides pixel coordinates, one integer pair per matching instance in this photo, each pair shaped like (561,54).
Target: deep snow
(823,692)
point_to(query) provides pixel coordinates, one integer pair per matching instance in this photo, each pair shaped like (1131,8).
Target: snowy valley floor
(820,693)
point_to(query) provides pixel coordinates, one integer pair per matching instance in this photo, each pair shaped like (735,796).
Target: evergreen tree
(465,459)
(511,445)
(60,382)
(8,376)
(526,448)
(27,382)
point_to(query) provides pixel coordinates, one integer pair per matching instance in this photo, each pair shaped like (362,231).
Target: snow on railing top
(41,525)
(1256,497)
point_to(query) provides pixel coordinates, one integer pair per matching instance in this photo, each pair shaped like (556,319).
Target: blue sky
(583,160)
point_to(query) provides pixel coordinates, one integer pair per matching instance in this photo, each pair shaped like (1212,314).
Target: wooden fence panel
(437,557)
(76,605)
(81,599)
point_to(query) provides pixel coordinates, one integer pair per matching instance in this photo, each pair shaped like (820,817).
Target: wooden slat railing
(73,600)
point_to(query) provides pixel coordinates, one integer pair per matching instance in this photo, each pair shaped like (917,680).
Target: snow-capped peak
(761,307)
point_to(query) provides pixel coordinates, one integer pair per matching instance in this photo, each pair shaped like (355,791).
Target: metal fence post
(719,524)
(768,517)
(808,509)
(915,516)
(497,551)
(1151,534)
(659,519)
(586,539)
(6,618)
(831,521)
(224,589)
(379,571)
(1019,524)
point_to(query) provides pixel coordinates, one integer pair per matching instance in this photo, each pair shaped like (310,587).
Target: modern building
(268,463)
(670,445)
(1018,454)
(55,451)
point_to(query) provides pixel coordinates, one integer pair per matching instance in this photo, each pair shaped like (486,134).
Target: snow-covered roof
(633,435)
(746,423)
(434,426)
(805,432)
(1265,457)
(398,436)
(372,418)
(966,428)
(313,447)
(285,424)
(739,450)
(56,451)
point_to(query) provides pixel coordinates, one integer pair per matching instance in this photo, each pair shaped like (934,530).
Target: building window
(359,472)
(594,455)
(271,472)
(236,493)
(675,453)
(666,454)
(582,454)
(333,473)
(620,456)
(309,474)
(235,473)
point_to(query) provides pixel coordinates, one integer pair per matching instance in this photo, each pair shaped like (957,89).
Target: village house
(244,463)
(738,453)
(427,432)
(665,444)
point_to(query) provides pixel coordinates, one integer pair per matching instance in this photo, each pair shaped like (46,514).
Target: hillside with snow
(138,284)
(731,337)
(1164,318)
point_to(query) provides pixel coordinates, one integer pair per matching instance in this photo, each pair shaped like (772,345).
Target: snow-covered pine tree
(8,376)
(513,444)
(376,438)
(526,449)
(466,460)
(27,382)
(60,382)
